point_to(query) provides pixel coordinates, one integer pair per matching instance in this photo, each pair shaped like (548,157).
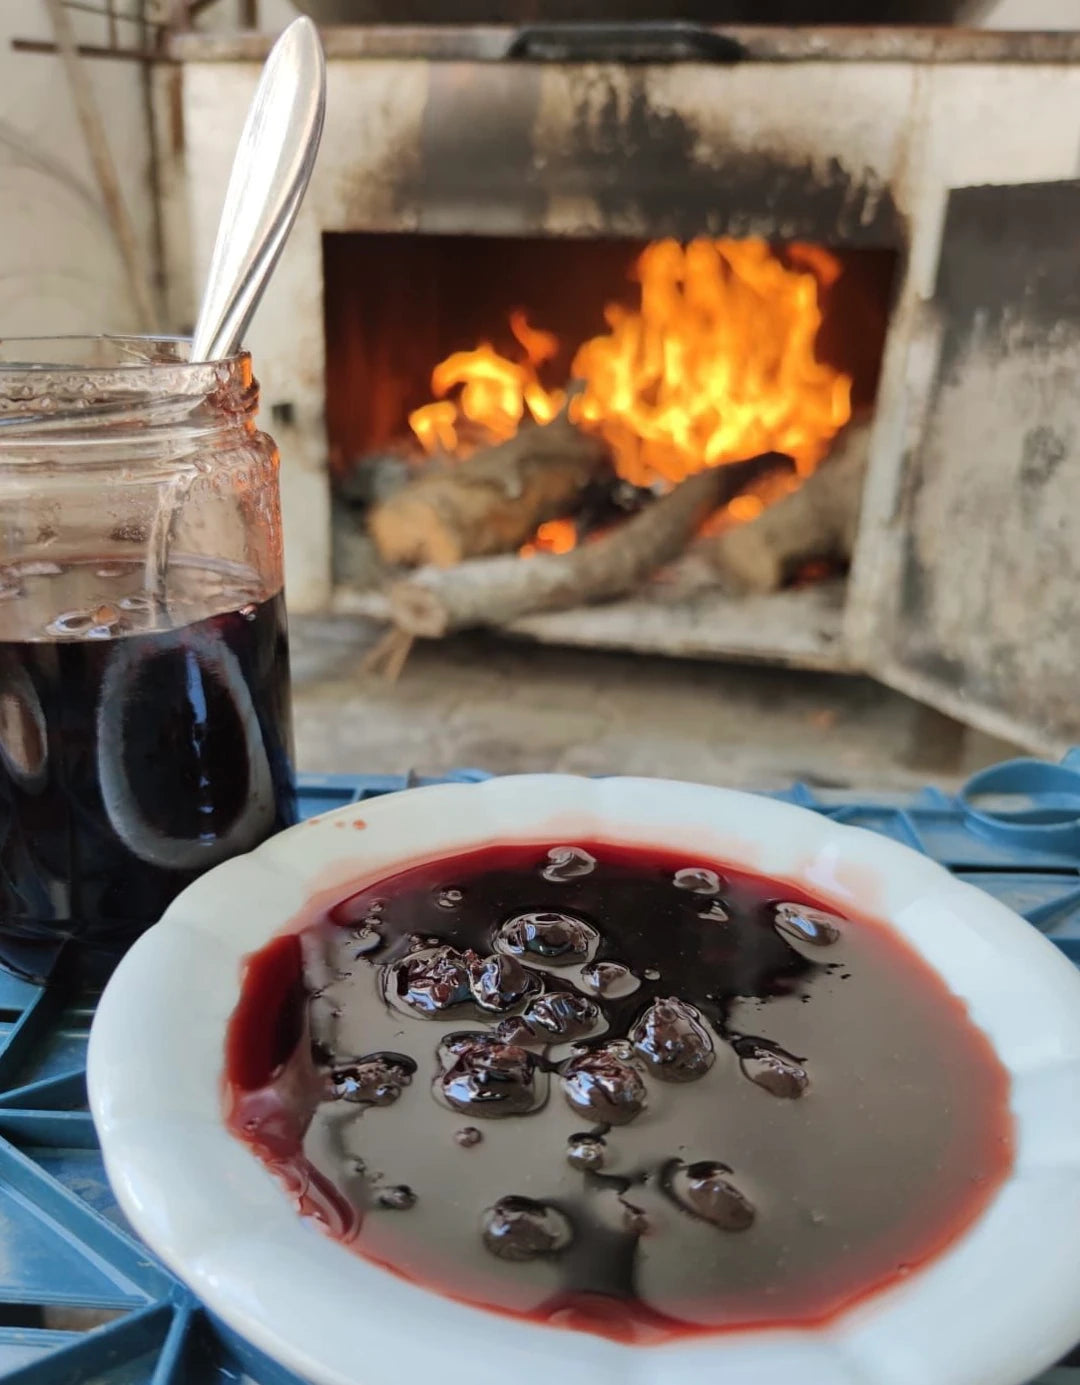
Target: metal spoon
(269,177)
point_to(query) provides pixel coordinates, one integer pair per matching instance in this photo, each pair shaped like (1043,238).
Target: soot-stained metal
(989,598)
(619,163)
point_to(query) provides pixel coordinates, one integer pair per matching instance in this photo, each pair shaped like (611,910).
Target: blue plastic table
(65,1247)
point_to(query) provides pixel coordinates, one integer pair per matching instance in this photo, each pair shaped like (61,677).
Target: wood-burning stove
(937,164)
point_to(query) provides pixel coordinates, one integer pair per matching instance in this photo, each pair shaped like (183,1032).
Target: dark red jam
(617,1089)
(137,749)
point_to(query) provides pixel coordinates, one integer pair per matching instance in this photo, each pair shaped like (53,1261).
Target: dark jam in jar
(138,747)
(618,1089)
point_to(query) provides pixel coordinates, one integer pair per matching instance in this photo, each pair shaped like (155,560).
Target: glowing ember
(555,536)
(717,364)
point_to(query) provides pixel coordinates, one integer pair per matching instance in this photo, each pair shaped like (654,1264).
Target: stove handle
(623,43)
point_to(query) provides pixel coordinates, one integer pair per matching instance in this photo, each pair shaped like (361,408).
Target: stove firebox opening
(612,370)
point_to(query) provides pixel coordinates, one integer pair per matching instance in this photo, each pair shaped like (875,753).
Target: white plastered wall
(60,271)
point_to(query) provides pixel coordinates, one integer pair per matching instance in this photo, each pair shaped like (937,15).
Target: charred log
(494,591)
(819,520)
(492,502)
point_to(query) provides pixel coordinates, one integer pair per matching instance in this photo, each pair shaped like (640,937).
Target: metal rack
(135,30)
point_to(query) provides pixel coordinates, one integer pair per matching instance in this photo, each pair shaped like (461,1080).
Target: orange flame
(717,364)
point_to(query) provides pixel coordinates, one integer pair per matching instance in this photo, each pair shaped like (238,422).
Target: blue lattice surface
(67,1257)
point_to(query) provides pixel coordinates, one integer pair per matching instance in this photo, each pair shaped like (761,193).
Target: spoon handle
(269,175)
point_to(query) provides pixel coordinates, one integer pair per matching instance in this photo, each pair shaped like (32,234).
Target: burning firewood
(492,502)
(818,520)
(494,591)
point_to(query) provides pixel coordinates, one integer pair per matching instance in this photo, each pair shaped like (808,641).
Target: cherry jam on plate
(617,1089)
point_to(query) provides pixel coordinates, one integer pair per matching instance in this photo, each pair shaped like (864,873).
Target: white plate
(999,1306)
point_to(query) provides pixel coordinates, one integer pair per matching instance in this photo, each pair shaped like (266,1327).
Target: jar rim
(116,383)
(104,352)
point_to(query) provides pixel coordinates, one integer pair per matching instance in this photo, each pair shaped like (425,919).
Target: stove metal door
(968,575)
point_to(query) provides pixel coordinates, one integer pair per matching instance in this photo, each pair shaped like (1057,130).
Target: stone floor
(485,701)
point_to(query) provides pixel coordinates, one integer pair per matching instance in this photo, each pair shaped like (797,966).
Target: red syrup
(617,1089)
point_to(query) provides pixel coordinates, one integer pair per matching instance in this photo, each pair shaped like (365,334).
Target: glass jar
(145,727)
